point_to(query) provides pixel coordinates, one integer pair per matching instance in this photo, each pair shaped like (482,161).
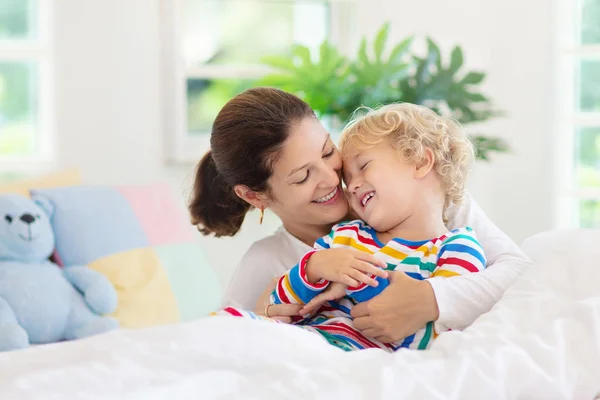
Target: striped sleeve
(459,254)
(293,287)
(365,292)
(359,237)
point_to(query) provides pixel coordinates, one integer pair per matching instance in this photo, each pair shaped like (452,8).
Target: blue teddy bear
(41,302)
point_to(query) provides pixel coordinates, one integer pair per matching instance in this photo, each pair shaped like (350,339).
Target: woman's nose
(330,177)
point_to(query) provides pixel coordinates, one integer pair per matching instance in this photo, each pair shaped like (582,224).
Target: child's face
(383,188)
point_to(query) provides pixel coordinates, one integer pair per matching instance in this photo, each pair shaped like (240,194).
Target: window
(213,52)
(579,113)
(24,84)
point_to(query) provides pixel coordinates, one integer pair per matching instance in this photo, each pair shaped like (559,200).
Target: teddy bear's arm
(12,335)
(97,290)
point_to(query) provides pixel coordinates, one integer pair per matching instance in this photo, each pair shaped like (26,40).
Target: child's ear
(425,165)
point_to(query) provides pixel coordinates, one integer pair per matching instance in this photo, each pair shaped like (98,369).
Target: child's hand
(334,291)
(348,266)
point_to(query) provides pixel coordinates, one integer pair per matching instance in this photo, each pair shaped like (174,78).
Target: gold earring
(262,215)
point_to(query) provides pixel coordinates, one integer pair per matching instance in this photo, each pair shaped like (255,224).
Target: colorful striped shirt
(455,253)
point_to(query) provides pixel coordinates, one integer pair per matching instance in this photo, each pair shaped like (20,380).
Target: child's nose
(354,185)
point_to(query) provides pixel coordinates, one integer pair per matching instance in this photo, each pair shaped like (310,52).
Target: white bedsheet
(541,341)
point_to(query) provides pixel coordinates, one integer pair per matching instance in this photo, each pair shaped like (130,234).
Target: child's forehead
(348,147)
(351,151)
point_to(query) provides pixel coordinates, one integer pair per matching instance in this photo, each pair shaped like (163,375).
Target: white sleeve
(462,299)
(251,277)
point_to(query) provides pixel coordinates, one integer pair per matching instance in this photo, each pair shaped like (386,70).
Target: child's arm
(343,265)
(460,254)
(365,292)
(294,287)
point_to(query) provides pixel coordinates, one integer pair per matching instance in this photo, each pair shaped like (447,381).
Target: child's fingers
(370,269)
(361,255)
(362,278)
(333,292)
(349,280)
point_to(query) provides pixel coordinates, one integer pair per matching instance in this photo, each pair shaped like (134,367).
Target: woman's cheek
(301,195)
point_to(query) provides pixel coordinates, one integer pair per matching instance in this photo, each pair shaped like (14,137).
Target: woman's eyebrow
(306,165)
(326,141)
(298,169)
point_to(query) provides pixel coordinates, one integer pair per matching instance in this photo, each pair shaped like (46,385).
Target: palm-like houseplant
(335,86)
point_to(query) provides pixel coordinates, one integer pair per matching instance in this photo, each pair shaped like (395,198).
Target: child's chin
(371,222)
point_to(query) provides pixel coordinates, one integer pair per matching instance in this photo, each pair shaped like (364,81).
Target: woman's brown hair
(247,137)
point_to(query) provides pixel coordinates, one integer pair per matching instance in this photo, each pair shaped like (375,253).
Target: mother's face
(306,184)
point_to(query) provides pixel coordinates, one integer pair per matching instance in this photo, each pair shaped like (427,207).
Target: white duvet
(541,341)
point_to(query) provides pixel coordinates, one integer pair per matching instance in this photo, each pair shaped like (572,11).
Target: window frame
(180,147)
(39,51)
(568,53)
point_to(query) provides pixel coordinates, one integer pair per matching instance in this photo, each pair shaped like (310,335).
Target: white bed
(541,341)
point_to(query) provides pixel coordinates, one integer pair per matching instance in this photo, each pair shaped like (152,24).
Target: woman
(268,150)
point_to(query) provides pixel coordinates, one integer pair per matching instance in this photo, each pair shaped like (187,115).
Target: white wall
(109,96)
(107,86)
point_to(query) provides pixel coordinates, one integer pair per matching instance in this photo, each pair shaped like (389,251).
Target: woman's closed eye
(330,153)
(305,179)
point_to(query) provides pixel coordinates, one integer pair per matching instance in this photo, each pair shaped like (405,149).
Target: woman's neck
(308,234)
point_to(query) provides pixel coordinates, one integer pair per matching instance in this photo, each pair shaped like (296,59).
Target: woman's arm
(253,274)
(281,312)
(463,299)
(454,303)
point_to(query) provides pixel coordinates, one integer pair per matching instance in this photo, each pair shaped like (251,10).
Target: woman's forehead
(304,145)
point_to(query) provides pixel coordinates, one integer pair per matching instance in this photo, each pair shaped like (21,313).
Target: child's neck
(424,223)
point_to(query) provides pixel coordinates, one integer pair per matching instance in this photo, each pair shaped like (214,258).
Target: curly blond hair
(411,129)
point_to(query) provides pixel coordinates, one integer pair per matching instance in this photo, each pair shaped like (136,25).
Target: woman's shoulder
(279,248)
(267,244)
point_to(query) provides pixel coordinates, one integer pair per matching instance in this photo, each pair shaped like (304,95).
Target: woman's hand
(281,312)
(403,308)
(343,265)
(334,291)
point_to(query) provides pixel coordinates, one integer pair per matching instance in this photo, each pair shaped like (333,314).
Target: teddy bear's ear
(44,204)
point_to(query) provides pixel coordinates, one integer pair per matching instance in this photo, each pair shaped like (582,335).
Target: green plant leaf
(380,41)
(456,59)
(473,78)
(303,53)
(362,52)
(476,97)
(434,52)
(399,50)
(421,74)
(485,145)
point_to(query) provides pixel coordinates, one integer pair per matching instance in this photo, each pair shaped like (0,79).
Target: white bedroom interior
(108,106)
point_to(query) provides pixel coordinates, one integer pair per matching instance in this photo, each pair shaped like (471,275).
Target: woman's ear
(256,199)
(426,164)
